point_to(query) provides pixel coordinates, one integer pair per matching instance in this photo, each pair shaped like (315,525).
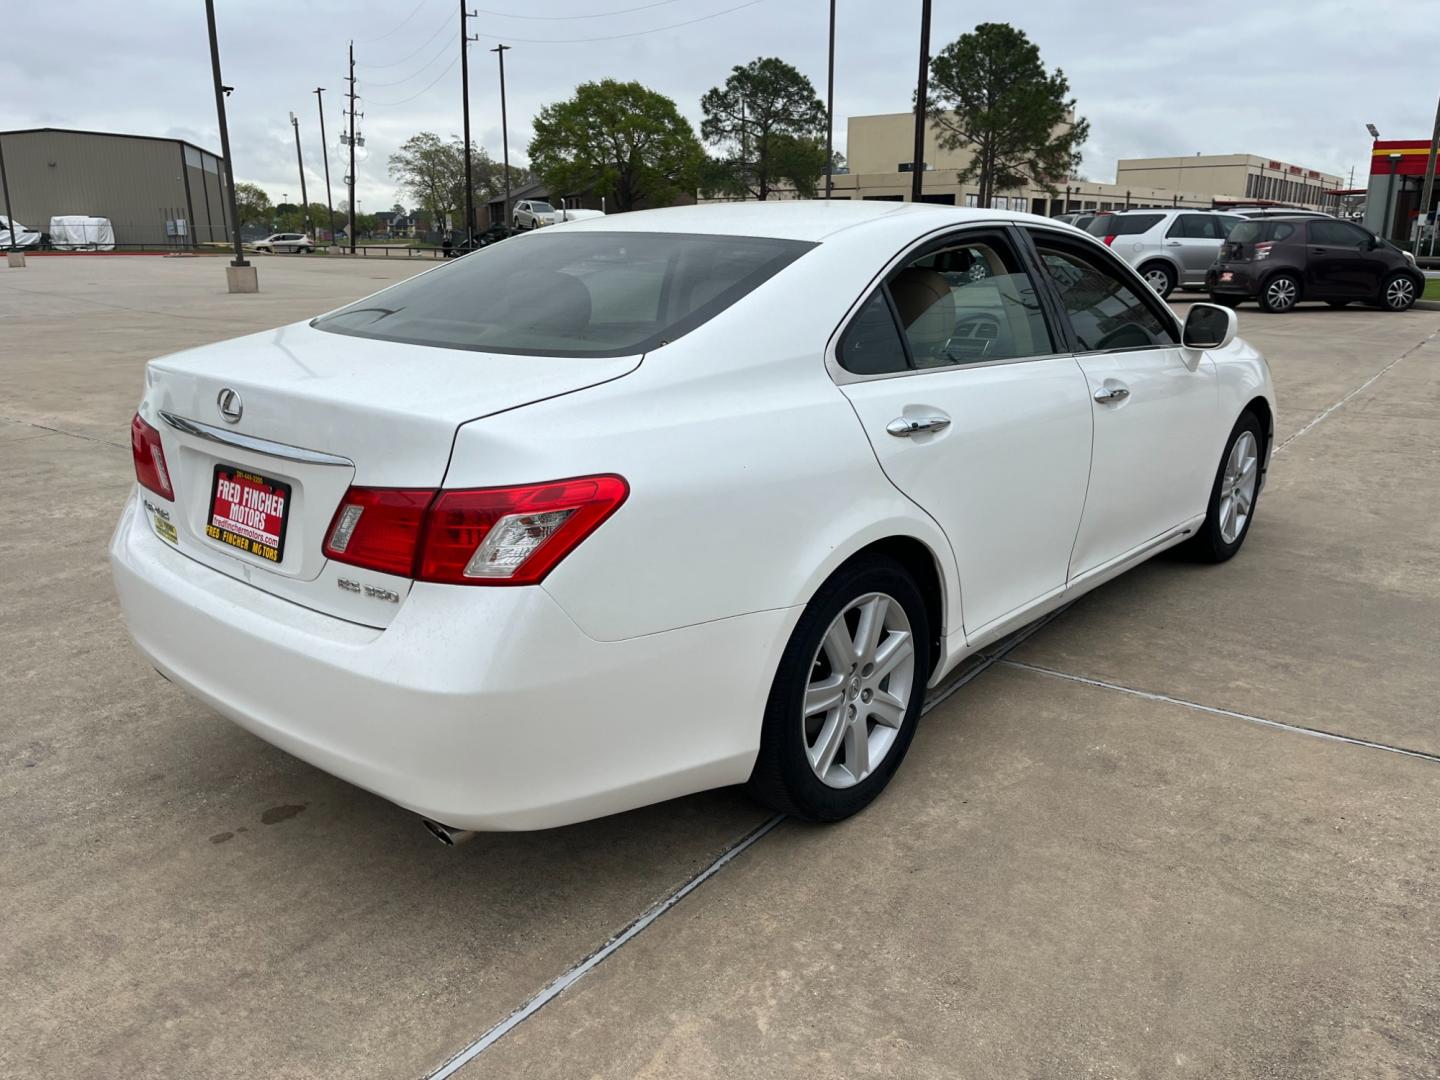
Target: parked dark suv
(1280,261)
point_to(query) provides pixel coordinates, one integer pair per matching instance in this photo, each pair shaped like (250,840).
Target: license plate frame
(245,535)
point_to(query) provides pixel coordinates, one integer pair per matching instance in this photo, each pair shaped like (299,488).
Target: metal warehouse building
(156,192)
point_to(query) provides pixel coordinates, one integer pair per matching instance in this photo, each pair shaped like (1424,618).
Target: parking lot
(1120,849)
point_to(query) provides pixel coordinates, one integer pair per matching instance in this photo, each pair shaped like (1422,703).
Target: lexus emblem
(231,407)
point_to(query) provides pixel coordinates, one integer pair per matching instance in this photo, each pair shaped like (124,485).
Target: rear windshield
(569,293)
(1258,229)
(1122,224)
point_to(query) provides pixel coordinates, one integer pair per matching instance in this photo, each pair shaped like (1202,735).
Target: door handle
(1172,243)
(904,426)
(1108,395)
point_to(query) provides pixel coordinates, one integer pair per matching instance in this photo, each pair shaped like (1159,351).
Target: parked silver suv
(1168,247)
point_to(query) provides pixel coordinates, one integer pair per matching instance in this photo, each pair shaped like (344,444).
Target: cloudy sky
(1291,79)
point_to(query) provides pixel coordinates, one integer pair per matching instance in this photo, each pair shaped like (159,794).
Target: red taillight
(484,536)
(379,528)
(149,457)
(1109,239)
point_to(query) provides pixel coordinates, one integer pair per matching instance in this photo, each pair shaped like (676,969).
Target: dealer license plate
(248,511)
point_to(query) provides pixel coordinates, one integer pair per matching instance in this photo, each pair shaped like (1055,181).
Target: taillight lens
(379,528)
(1109,240)
(484,536)
(149,455)
(1262,251)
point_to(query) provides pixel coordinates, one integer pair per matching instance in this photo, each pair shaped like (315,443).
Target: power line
(444,48)
(407,56)
(405,101)
(569,18)
(401,23)
(632,34)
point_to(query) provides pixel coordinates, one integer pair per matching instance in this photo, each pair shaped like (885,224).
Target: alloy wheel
(859,690)
(1237,486)
(1157,279)
(1399,294)
(1280,294)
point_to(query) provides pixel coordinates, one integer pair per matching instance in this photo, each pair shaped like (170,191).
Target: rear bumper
(479,708)
(1244,280)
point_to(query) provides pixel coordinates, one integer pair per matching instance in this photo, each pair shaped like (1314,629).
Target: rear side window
(1123,224)
(1201,227)
(1258,229)
(570,293)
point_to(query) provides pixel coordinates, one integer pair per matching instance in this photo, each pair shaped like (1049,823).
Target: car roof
(810,220)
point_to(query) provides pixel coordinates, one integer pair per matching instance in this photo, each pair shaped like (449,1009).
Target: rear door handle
(904,426)
(1108,395)
(1172,243)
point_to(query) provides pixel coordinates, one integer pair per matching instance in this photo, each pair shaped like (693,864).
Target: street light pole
(220,91)
(299,161)
(465,40)
(917,163)
(830,111)
(504,130)
(354,211)
(325,153)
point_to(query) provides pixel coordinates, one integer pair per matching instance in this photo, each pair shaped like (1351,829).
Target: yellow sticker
(164,529)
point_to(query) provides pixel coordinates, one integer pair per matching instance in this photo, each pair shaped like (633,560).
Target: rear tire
(1234,494)
(847,696)
(1159,277)
(1280,294)
(1397,294)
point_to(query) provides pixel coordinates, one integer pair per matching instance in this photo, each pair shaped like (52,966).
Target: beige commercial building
(879,151)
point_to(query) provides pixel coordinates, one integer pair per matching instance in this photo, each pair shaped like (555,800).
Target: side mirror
(1209,326)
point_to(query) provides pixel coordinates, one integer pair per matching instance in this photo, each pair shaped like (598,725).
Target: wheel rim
(1158,280)
(1237,486)
(1399,293)
(859,690)
(1281,294)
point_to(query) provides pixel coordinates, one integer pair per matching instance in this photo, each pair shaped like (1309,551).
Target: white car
(294,242)
(671,500)
(532,214)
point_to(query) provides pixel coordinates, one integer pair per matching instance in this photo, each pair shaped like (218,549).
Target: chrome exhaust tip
(448,836)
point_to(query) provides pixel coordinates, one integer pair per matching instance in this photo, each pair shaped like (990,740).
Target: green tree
(432,172)
(769,125)
(252,205)
(621,140)
(991,94)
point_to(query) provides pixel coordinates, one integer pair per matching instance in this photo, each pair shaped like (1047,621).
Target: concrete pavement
(1065,878)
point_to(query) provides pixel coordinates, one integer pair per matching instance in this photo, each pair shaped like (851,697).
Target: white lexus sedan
(670,500)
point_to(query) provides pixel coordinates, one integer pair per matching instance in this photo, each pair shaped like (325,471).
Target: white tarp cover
(561,214)
(76,232)
(23,236)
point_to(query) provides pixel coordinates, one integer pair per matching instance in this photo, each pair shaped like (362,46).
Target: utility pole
(236,276)
(354,215)
(830,111)
(300,161)
(15,256)
(922,90)
(504,130)
(465,40)
(1429,189)
(325,152)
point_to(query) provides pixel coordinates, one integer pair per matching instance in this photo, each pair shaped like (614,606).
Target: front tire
(846,699)
(1159,277)
(1281,294)
(1233,495)
(1398,293)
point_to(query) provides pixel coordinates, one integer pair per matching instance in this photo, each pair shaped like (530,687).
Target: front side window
(1336,234)
(565,293)
(1106,312)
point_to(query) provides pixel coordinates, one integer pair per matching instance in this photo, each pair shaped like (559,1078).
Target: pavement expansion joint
(1298,729)
(1340,404)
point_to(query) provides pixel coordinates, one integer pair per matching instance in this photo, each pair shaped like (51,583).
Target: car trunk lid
(309,414)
